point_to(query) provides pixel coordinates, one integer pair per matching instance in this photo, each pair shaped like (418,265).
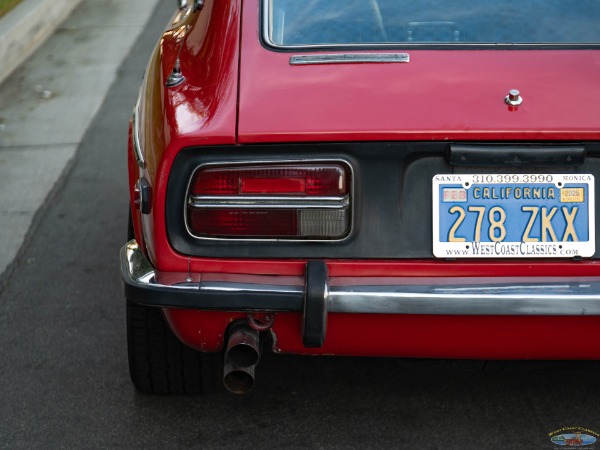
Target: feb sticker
(574,437)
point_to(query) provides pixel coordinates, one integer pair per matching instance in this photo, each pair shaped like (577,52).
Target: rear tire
(159,363)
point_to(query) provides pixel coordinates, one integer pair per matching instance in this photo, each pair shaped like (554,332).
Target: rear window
(309,23)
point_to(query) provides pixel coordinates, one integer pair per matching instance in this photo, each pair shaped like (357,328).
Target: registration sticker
(513,216)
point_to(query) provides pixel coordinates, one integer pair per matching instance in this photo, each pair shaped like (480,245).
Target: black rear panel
(391,200)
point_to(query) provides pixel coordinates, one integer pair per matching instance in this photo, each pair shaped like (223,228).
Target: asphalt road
(63,368)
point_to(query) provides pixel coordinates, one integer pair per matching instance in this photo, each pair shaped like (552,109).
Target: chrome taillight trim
(347,200)
(269,202)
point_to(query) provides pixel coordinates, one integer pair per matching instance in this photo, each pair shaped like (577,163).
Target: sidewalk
(47,103)
(26,27)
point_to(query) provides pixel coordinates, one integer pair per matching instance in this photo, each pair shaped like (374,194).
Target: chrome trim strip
(349,58)
(139,155)
(206,201)
(390,295)
(245,287)
(550,299)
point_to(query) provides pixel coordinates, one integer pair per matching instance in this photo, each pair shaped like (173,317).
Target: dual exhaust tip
(241,356)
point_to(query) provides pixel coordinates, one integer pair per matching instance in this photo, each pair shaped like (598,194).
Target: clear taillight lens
(270,201)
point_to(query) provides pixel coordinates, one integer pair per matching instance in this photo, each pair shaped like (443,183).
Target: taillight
(301,201)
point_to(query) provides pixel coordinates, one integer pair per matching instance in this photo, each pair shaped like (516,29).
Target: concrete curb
(26,27)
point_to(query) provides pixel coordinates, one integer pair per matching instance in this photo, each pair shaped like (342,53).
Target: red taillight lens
(270,201)
(272,186)
(239,222)
(323,180)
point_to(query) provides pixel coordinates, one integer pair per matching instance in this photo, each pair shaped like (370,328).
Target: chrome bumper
(316,294)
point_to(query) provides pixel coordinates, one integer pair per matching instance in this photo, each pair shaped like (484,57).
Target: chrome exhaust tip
(241,356)
(238,380)
(243,346)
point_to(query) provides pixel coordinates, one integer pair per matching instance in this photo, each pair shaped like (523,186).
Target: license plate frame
(563,205)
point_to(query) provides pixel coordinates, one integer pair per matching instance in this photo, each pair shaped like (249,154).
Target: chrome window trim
(435,46)
(266,22)
(266,162)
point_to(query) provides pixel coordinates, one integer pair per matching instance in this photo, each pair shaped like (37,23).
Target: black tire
(130,231)
(158,362)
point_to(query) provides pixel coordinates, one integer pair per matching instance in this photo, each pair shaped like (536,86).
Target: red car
(363,177)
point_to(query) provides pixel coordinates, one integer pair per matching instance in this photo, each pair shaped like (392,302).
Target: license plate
(513,216)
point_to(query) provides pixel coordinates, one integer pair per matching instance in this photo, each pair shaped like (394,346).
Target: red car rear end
(363,178)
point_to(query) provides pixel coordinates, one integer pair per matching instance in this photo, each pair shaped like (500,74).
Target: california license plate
(513,216)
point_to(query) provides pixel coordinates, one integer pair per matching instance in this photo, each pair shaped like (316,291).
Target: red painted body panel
(201,330)
(439,95)
(470,337)
(201,111)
